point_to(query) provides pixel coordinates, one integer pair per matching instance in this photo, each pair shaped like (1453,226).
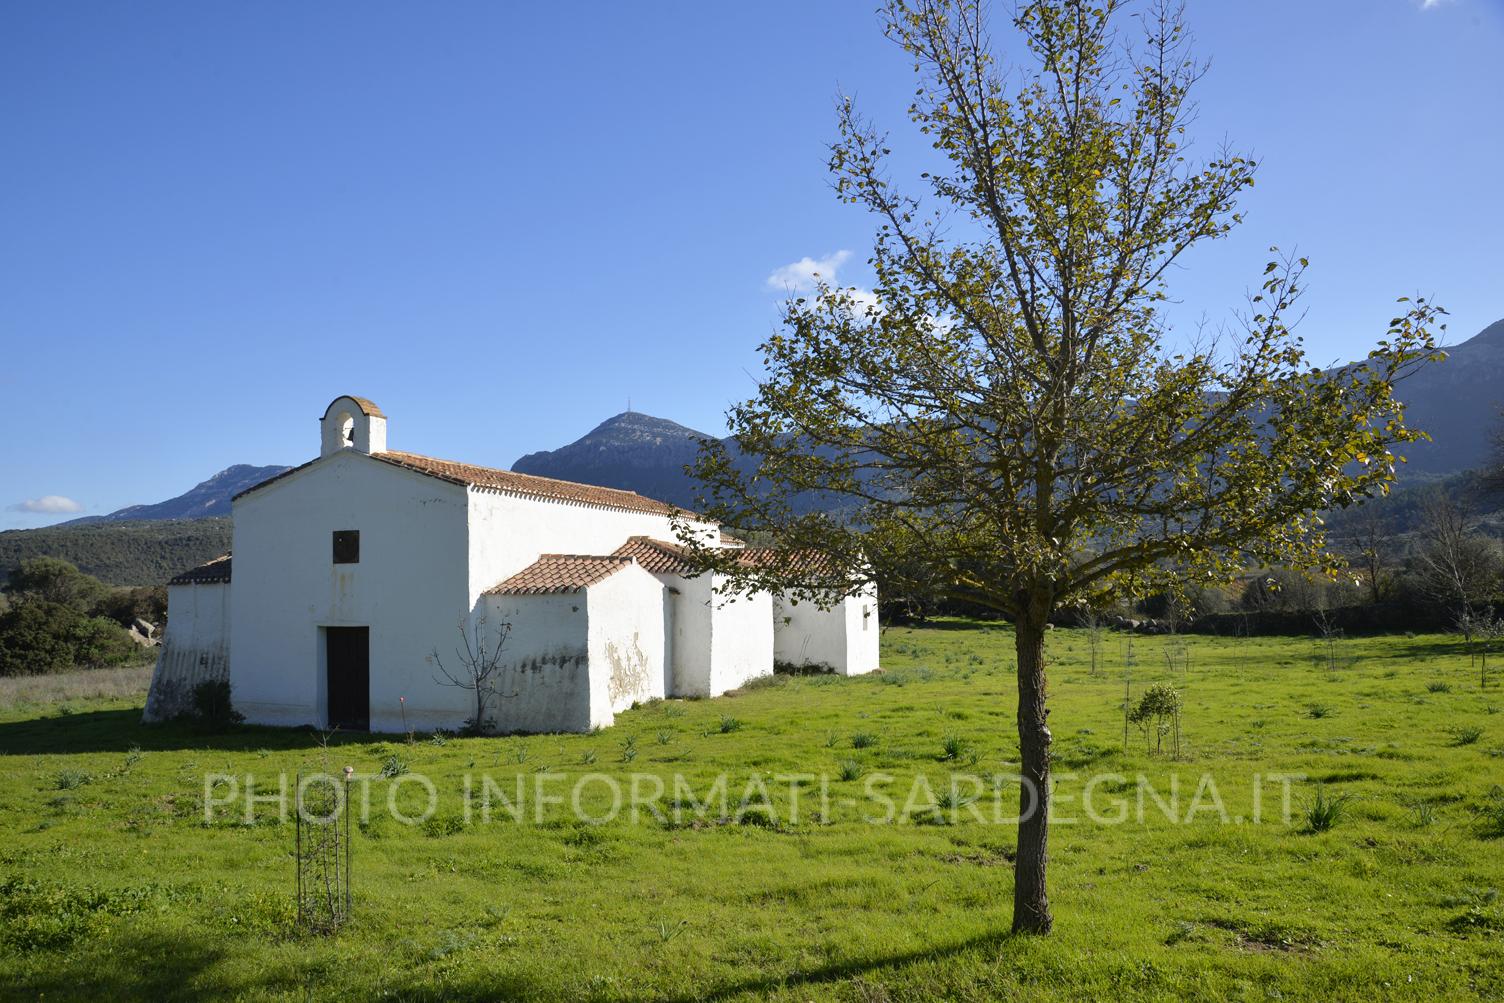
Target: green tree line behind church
(54,617)
(121,553)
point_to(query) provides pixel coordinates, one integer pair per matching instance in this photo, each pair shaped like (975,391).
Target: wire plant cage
(322,851)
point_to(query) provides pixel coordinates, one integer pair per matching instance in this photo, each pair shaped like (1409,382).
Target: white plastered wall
(195,648)
(508,532)
(741,639)
(716,642)
(573,660)
(543,683)
(627,642)
(843,638)
(410,588)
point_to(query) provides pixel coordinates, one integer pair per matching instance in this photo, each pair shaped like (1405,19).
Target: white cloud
(864,299)
(800,276)
(48,505)
(1432,4)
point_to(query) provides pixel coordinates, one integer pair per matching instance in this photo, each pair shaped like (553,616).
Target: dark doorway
(349,658)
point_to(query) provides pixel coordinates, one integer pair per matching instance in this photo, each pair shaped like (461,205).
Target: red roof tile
(553,573)
(215,572)
(814,563)
(528,485)
(367,407)
(657,556)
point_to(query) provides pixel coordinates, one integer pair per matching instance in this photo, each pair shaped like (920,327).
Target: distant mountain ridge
(204,500)
(630,450)
(1459,403)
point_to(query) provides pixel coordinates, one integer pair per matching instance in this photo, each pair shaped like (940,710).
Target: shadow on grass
(168,967)
(141,966)
(482,989)
(120,730)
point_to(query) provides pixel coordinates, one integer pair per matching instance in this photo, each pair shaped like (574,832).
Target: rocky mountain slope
(631,450)
(203,500)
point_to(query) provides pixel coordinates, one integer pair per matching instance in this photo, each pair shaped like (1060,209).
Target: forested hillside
(121,553)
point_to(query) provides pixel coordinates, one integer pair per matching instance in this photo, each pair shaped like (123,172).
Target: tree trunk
(1031,904)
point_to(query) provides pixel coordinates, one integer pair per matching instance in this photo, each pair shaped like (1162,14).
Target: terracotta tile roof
(657,556)
(215,572)
(528,485)
(560,573)
(367,407)
(815,563)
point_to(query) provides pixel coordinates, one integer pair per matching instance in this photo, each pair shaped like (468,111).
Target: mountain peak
(635,425)
(207,498)
(631,450)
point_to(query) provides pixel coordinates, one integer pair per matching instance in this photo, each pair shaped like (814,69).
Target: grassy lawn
(116,886)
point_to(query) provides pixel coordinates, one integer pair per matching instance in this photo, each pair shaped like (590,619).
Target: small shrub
(69,779)
(1318,710)
(850,769)
(1466,735)
(950,800)
(440,826)
(1491,813)
(952,747)
(665,736)
(863,740)
(1183,929)
(393,766)
(729,724)
(1324,812)
(629,749)
(585,837)
(1438,687)
(1157,714)
(588,758)
(213,707)
(1476,919)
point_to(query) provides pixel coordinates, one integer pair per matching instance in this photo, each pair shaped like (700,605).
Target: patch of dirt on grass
(981,858)
(1265,939)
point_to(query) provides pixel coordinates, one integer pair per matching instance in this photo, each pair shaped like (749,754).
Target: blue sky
(502,221)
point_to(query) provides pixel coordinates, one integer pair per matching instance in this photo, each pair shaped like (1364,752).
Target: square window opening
(347,546)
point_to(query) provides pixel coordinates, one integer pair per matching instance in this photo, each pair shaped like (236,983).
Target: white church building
(350,571)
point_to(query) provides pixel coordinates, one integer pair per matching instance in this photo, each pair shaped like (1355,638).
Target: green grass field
(115,885)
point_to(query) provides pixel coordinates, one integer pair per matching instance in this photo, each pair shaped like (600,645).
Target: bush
(1157,715)
(212,706)
(125,606)
(39,636)
(51,621)
(56,581)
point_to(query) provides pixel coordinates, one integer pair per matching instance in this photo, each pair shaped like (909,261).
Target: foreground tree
(1008,418)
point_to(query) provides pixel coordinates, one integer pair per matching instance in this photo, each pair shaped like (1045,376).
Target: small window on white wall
(866,616)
